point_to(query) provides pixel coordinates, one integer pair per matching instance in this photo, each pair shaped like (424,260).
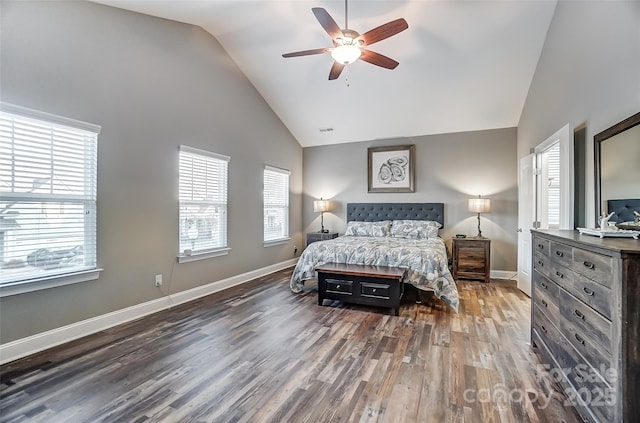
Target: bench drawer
(375,290)
(338,286)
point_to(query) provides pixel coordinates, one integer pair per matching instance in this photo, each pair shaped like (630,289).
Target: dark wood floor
(259,353)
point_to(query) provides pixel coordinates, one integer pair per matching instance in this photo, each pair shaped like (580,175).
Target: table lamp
(321,206)
(479,205)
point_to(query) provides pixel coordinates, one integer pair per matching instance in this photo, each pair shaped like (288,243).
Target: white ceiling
(464,65)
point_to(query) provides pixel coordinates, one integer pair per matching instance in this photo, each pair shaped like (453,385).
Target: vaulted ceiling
(464,65)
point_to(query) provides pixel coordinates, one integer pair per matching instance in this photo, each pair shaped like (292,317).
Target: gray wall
(151,84)
(450,168)
(588,74)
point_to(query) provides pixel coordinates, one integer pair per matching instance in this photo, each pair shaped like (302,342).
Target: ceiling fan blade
(336,70)
(378,59)
(384,31)
(327,22)
(306,52)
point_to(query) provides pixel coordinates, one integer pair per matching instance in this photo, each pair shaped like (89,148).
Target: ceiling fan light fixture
(346,54)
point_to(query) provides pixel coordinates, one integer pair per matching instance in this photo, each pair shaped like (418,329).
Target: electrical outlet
(158,280)
(295,250)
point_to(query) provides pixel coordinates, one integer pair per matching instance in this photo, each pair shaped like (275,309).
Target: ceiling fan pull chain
(347,74)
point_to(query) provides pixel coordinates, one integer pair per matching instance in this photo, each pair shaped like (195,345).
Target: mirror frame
(598,139)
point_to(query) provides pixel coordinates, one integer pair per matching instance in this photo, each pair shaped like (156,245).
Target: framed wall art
(391,169)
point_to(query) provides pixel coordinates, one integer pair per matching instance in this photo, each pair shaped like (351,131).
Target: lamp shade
(321,205)
(479,205)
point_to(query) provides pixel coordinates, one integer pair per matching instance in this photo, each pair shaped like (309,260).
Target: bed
(401,235)
(625,212)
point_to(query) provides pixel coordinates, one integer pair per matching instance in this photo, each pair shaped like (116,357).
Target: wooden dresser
(585,319)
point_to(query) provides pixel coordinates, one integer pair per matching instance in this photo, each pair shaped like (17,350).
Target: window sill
(22,287)
(276,242)
(203,255)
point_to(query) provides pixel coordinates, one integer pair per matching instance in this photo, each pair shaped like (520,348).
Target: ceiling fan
(348,45)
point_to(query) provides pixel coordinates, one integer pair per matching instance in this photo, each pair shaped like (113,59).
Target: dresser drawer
(541,246)
(595,266)
(338,286)
(561,253)
(592,324)
(542,263)
(597,296)
(545,296)
(595,355)
(375,290)
(588,385)
(561,275)
(546,330)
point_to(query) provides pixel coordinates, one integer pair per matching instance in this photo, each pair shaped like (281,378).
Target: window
(203,203)
(47,196)
(550,186)
(276,204)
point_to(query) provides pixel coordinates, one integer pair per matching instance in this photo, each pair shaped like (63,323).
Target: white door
(526,216)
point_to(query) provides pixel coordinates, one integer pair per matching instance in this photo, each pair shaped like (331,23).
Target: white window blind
(203,201)
(553,185)
(47,195)
(276,204)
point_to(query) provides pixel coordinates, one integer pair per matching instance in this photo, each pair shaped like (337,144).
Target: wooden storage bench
(361,284)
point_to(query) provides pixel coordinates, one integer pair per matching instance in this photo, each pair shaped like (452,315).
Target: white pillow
(358,228)
(415,229)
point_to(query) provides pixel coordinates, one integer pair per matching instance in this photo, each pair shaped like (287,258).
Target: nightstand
(320,236)
(472,258)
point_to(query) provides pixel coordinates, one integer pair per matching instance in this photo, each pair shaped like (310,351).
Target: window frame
(187,255)
(34,282)
(286,236)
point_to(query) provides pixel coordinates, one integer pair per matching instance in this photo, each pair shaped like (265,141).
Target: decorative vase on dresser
(585,320)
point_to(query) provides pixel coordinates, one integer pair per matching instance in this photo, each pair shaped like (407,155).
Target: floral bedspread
(426,260)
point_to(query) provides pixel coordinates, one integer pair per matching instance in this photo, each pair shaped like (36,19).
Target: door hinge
(537,171)
(536,225)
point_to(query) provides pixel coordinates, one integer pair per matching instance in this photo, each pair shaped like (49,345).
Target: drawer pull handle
(559,253)
(578,313)
(544,285)
(541,246)
(579,376)
(589,265)
(578,338)
(544,303)
(560,275)
(337,286)
(543,328)
(540,263)
(588,291)
(374,290)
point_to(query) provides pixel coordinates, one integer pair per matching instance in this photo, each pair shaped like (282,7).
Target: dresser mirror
(617,167)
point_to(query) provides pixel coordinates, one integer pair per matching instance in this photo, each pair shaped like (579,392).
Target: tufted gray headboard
(372,212)
(624,209)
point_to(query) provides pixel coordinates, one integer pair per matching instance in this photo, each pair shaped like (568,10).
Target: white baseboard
(42,341)
(503,274)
